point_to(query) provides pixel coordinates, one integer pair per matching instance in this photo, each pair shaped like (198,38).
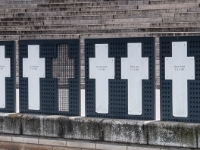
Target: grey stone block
(33,125)
(10,123)
(42,125)
(172,134)
(82,128)
(127,131)
(53,126)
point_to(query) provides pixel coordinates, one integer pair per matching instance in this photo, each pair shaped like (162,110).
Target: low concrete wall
(22,130)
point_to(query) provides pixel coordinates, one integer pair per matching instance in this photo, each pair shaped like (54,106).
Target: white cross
(4,72)
(179,68)
(101,68)
(34,69)
(134,68)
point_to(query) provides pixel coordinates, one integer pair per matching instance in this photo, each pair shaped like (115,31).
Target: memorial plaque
(112,66)
(34,69)
(134,68)
(179,78)
(7,76)
(101,71)
(49,77)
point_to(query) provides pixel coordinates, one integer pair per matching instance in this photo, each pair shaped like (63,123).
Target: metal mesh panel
(62,77)
(118,93)
(63,67)
(10,81)
(193,47)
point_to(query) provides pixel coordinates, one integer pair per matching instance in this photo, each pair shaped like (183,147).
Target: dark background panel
(49,85)
(118,88)
(193,49)
(10,81)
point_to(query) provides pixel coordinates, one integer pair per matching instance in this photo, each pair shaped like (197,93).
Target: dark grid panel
(10,81)
(118,88)
(50,85)
(193,49)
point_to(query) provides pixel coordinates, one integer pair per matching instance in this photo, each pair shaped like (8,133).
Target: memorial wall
(99,74)
(120,78)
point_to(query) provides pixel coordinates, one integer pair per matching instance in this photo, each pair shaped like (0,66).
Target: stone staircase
(60,19)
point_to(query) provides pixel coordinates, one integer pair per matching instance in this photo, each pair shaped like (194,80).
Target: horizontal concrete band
(149,133)
(41,143)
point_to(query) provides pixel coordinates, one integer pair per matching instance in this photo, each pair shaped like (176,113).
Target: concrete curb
(176,134)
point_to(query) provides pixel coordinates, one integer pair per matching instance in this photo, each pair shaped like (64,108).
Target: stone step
(170,29)
(172,1)
(97,10)
(61,1)
(188,14)
(23,2)
(194,10)
(18,6)
(63,17)
(97,35)
(69,27)
(175,25)
(20,23)
(101,31)
(181,19)
(84,4)
(104,21)
(104,8)
(84,9)
(165,6)
(89,16)
(98,26)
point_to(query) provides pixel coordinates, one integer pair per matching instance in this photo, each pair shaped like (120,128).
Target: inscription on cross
(134,68)
(101,68)
(34,69)
(4,72)
(179,68)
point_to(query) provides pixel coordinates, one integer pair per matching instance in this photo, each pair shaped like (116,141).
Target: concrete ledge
(83,128)
(127,131)
(10,123)
(173,134)
(61,130)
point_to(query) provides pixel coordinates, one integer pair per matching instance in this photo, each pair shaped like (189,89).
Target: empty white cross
(101,68)
(179,68)
(4,72)
(134,68)
(34,69)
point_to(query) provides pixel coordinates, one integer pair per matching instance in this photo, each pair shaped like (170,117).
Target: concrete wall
(23,132)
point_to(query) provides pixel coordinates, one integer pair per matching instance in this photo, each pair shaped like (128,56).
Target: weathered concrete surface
(32,125)
(172,134)
(198,135)
(83,128)
(127,131)
(42,125)
(10,123)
